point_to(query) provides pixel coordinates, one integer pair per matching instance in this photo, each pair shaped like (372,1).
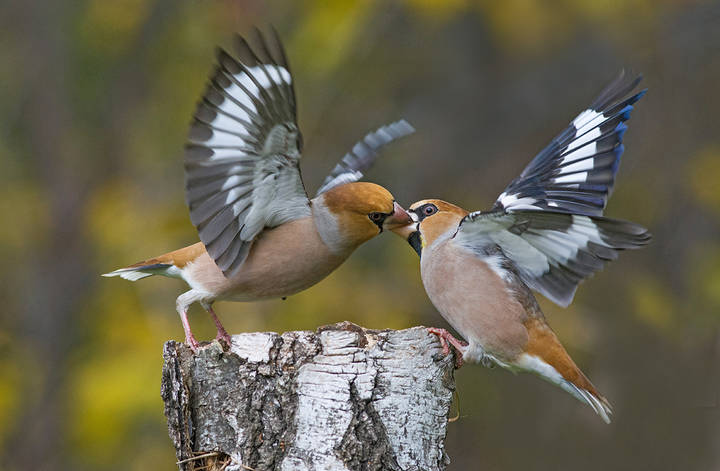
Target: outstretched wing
(552,252)
(576,172)
(364,153)
(242,160)
(548,221)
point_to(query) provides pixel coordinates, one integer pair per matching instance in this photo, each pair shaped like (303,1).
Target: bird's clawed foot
(192,342)
(222,335)
(447,339)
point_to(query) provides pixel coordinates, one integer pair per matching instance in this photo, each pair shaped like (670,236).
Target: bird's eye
(376,217)
(429,210)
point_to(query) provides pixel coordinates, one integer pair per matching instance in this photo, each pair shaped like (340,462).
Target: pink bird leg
(189,337)
(446,337)
(221,332)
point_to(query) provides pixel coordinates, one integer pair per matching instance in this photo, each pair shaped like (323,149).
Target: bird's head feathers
(363,210)
(431,219)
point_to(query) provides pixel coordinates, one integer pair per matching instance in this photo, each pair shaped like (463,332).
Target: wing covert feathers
(552,252)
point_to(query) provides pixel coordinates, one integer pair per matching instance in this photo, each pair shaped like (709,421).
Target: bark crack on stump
(341,398)
(365,445)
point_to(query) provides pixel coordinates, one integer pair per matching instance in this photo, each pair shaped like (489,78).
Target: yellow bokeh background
(94,110)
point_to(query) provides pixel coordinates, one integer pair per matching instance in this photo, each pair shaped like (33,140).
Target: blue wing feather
(576,171)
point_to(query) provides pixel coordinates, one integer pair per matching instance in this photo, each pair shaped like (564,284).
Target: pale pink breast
(474,299)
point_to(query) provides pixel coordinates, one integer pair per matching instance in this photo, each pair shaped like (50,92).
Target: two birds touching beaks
(262,237)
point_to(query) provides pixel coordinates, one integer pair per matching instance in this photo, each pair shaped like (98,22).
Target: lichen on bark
(341,398)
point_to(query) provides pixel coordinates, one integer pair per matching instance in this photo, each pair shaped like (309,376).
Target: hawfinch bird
(261,236)
(545,233)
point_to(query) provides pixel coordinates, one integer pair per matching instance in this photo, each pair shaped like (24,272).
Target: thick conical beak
(406,230)
(398,219)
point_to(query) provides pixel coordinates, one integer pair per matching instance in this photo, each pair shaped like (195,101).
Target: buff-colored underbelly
(282,262)
(474,300)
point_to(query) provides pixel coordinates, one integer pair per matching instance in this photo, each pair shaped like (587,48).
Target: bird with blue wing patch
(546,232)
(261,237)
(576,172)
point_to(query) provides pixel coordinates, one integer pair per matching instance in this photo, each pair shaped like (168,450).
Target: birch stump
(341,398)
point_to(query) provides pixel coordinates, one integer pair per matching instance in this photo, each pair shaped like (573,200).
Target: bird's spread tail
(599,404)
(170,264)
(142,270)
(546,357)
(576,383)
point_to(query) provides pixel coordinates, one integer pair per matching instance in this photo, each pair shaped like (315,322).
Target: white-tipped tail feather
(129,274)
(533,364)
(140,272)
(600,406)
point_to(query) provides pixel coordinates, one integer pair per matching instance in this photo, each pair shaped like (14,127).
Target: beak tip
(402,214)
(399,221)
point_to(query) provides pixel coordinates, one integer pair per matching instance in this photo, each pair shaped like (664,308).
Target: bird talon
(224,337)
(192,343)
(446,339)
(444,345)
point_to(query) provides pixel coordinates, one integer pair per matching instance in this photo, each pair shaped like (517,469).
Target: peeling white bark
(342,398)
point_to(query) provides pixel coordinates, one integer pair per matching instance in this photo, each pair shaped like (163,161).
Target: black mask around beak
(415,243)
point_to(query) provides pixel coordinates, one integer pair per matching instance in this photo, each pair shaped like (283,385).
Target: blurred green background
(95,101)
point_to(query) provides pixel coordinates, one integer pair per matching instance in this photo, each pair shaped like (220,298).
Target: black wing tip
(639,95)
(614,103)
(277,40)
(622,234)
(616,90)
(262,46)
(221,53)
(640,235)
(259,47)
(226,60)
(245,51)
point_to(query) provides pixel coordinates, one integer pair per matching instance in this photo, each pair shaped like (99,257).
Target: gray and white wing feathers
(552,252)
(364,153)
(576,172)
(548,221)
(242,160)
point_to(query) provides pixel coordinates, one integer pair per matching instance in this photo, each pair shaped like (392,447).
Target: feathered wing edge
(364,153)
(244,121)
(576,171)
(553,252)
